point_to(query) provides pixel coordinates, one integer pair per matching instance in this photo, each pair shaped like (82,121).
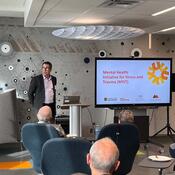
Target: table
(147,163)
(75,128)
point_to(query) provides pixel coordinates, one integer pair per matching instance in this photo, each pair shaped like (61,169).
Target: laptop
(71,100)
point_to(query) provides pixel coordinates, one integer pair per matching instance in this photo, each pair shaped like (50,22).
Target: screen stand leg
(170,130)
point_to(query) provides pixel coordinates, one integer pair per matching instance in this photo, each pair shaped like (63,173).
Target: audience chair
(33,136)
(172,152)
(65,156)
(126,136)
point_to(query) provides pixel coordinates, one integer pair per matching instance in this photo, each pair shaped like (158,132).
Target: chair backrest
(172,150)
(126,136)
(33,136)
(65,156)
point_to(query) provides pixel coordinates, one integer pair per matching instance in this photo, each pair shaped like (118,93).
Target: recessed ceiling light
(98,32)
(163,11)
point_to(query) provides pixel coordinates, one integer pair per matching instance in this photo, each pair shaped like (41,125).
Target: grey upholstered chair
(172,152)
(126,136)
(33,136)
(65,156)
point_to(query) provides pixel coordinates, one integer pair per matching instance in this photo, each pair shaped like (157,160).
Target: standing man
(103,157)
(42,89)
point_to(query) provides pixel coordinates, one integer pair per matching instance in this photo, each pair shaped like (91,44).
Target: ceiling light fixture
(168,29)
(149,40)
(98,32)
(163,11)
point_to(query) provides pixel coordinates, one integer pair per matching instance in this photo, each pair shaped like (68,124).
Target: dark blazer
(36,91)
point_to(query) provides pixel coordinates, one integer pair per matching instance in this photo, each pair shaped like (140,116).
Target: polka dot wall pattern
(73,64)
(16,72)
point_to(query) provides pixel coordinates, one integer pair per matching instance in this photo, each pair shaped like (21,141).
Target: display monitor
(128,82)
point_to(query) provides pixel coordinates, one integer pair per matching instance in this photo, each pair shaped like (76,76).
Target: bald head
(44,113)
(103,156)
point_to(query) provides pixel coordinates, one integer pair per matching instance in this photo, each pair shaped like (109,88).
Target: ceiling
(62,13)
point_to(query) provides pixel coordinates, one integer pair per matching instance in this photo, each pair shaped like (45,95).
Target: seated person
(126,116)
(44,115)
(103,157)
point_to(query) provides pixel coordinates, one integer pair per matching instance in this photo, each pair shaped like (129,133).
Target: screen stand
(170,130)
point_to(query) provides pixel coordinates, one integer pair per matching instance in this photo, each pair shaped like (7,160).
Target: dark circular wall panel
(28,117)
(65,88)
(86,60)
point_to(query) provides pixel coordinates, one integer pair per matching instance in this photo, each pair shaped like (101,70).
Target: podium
(75,128)
(9,127)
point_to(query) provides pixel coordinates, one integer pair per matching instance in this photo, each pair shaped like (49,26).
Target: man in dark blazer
(42,89)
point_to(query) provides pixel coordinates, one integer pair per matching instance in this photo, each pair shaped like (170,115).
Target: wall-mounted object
(6,49)
(86,60)
(102,53)
(136,53)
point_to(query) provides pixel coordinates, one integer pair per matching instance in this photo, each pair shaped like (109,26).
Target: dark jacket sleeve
(54,80)
(32,89)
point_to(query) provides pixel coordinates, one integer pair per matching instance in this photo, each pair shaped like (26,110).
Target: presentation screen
(128,81)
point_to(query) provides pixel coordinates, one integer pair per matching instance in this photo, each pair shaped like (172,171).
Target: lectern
(75,128)
(9,127)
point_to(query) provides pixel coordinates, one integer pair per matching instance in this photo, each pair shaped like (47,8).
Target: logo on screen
(110,99)
(155,96)
(158,73)
(105,99)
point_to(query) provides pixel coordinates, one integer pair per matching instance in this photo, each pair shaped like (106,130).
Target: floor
(153,149)
(15,152)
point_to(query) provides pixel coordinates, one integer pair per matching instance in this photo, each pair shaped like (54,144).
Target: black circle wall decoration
(15,80)
(86,60)
(28,117)
(10,67)
(65,88)
(27,68)
(25,92)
